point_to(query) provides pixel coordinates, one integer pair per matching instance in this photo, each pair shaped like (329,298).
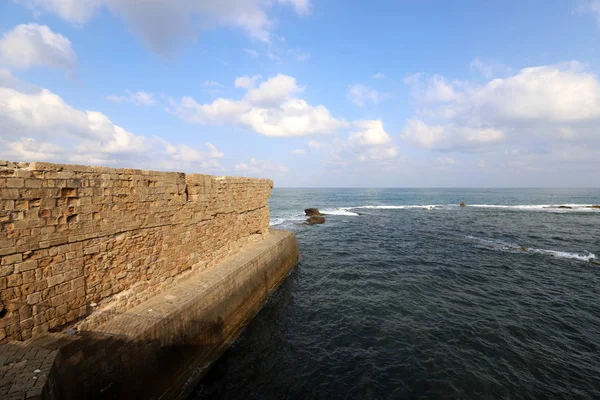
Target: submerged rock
(462,204)
(312,211)
(595,262)
(315,219)
(594,206)
(565,207)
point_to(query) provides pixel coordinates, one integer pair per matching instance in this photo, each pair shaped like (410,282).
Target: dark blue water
(499,299)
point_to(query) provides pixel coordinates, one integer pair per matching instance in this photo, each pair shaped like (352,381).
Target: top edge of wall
(46,166)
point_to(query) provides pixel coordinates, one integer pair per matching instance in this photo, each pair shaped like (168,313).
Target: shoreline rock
(315,219)
(312,211)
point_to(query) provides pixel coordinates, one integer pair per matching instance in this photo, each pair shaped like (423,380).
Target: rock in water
(312,211)
(315,219)
(594,206)
(565,207)
(462,205)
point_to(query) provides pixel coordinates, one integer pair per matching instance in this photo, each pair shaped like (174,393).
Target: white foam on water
(289,219)
(514,248)
(276,221)
(518,207)
(423,207)
(339,211)
(540,207)
(563,254)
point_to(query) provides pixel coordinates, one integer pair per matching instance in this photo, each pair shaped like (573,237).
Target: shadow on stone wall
(93,365)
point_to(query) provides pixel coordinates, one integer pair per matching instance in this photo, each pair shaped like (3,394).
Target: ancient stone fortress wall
(78,243)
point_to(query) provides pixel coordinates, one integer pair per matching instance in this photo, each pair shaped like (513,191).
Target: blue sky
(410,93)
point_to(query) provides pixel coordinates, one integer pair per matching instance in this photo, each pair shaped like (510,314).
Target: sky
(309,93)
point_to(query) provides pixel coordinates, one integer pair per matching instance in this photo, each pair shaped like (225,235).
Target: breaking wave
(517,207)
(515,248)
(424,207)
(339,211)
(542,207)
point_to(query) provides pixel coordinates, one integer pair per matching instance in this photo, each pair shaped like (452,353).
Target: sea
(404,294)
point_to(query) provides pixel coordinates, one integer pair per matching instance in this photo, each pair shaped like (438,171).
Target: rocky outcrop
(315,219)
(312,211)
(462,204)
(594,206)
(567,207)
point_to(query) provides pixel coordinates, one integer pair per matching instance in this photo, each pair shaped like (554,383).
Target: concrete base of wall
(161,348)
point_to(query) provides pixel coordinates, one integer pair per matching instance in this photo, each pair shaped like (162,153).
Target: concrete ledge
(161,348)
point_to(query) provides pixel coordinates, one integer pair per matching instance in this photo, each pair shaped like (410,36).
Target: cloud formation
(138,98)
(271,109)
(163,24)
(362,94)
(533,108)
(38,125)
(261,168)
(368,143)
(34,45)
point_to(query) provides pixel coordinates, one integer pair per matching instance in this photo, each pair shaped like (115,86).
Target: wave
(516,207)
(288,220)
(515,248)
(339,211)
(541,207)
(424,207)
(292,219)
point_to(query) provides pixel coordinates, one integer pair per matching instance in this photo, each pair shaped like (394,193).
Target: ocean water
(402,294)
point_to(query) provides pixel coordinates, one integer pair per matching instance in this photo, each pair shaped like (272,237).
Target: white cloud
(449,136)
(269,109)
(536,106)
(137,98)
(298,54)
(247,82)
(251,52)
(213,152)
(369,143)
(76,11)
(302,6)
(298,152)
(261,168)
(211,84)
(593,7)
(165,24)
(361,94)
(489,69)
(371,133)
(39,125)
(378,75)
(433,89)
(212,87)
(281,54)
(31,45)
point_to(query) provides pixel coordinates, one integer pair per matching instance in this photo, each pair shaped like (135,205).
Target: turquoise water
(404,294)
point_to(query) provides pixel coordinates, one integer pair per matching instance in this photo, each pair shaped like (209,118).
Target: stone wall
(79,244)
